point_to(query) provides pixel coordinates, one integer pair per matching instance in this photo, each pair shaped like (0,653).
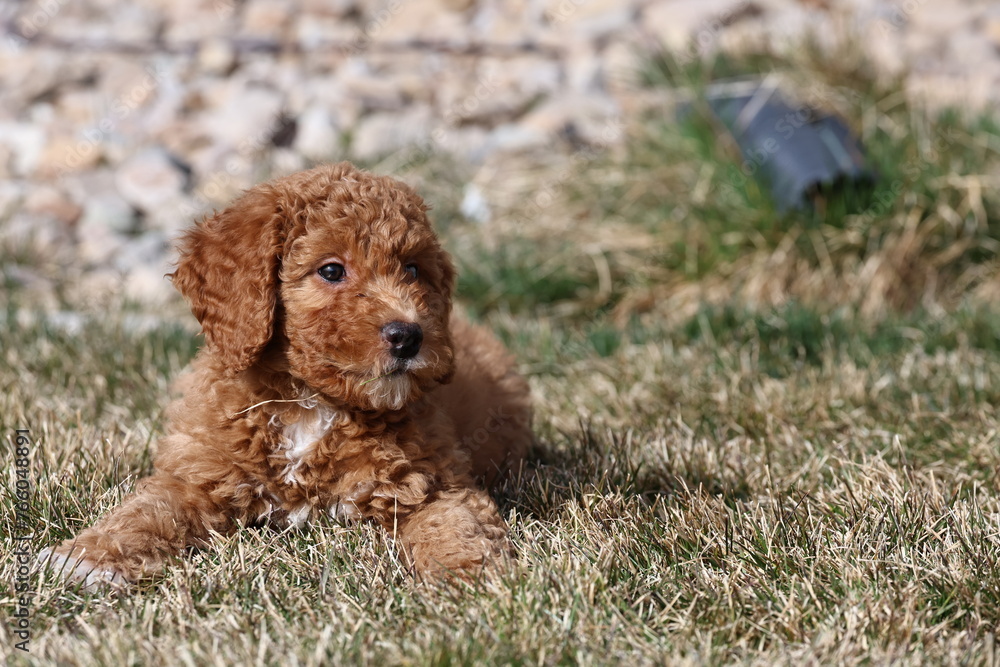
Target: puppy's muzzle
(404,339)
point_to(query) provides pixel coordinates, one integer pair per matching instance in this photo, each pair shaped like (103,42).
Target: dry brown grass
(698,496)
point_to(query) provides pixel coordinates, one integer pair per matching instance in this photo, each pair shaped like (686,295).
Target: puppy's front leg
(164,516)
(458,530)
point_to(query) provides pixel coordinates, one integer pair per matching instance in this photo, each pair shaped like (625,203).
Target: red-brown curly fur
(296,406)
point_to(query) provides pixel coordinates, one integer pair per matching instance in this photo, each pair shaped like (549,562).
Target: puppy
(334,380)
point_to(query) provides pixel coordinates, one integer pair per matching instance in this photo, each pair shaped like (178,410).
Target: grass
(763,440)
(675,222)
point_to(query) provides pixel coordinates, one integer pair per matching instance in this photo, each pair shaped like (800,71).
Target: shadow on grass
(595,461)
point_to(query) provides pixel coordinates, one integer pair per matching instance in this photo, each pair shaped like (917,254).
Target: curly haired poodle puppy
(334,380)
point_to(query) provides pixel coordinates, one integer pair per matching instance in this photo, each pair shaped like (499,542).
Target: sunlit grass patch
(676,218)
(702,489)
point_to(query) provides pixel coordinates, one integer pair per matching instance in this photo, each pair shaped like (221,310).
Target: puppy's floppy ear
(228,271)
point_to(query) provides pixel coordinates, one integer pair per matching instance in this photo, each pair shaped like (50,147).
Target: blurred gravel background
(122,121)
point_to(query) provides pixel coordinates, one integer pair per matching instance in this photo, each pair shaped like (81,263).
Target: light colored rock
(316,32)
(591,119)
(284,161)
(947,18)
(592,19)
(402,21)
(155,120)
(511,22)
(136,23)
(991,26)
(381,133)
(149,179)
(414,86)
(6,157)
(11,198)
(80,107)
(216,186)
(131,23)
(26,142)
(191,21)
(513,137)
(688,26)
(244,116)
(110,210)
(28,74)
(474,205)
(171,217)
(144,264)
(148,284)
(621,64)
(969,50)
(96,243)
(923,50)
(119,75)
(147,249)
(49,202)
(585,69)
(886,51)
(71,154)
(316,136)
(126,113)
(327,91)
(358,82)
(789,28)
(209,162)
(265,19)
(216,56)
(502,84)
(471,144)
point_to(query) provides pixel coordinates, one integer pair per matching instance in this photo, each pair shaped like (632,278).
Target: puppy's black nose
(404,339)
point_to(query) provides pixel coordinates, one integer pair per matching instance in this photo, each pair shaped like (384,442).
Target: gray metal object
(796,153)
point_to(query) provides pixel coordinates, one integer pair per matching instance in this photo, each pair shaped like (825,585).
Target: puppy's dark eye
(332,273)
(411,271)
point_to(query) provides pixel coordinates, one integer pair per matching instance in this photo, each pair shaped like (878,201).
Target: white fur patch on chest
(299,439)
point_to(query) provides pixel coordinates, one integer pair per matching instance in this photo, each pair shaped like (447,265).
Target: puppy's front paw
(76,568)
